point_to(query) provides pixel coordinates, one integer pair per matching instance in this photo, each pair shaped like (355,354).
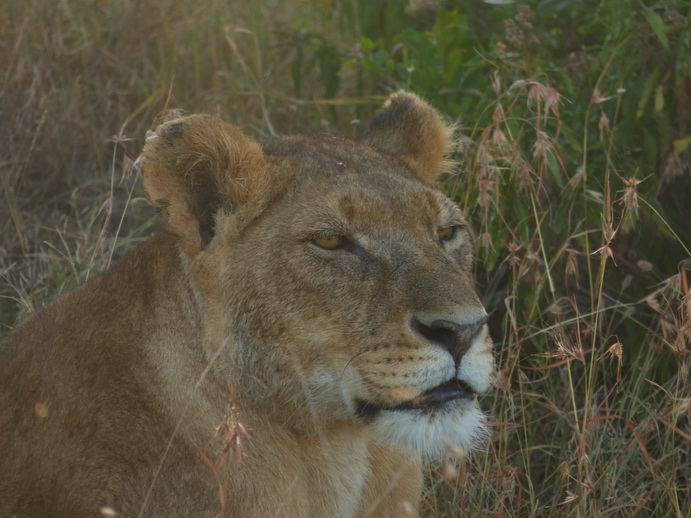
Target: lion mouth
(448,391)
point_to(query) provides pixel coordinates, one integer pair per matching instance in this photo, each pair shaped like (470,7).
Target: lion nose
(455,338)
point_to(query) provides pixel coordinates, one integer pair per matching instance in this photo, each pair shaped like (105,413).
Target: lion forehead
(337,182)
(331,157)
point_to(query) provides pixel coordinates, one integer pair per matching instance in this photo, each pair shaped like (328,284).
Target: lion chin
(431,433)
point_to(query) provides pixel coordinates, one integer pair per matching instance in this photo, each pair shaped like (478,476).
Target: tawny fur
(222,368)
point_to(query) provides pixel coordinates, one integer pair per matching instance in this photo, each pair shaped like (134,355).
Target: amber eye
(447,233)
(330,242)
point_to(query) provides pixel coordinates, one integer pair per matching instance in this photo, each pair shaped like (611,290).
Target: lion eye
(447,233)
(330,242)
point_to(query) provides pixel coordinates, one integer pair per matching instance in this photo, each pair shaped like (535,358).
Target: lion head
(336,279)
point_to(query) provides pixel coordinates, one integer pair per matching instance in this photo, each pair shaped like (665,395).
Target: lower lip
(444,393)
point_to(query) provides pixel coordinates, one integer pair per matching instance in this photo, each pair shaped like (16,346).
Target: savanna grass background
(574,143)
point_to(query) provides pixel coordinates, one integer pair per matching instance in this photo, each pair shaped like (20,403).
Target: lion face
(338,287)
(367,275)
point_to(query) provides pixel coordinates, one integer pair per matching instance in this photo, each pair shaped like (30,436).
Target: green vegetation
(574,143)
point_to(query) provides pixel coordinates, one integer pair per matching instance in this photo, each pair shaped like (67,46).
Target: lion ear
(194,167)
(410,129)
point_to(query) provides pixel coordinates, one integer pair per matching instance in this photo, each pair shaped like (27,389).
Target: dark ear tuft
(172,131)
(410,129)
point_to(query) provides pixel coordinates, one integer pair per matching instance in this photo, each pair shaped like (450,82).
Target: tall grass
(574,149)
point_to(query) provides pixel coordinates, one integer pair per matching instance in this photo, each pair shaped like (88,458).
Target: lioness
(298,342)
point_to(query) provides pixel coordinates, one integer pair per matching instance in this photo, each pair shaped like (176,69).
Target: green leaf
(681,144)
(367,44)
(657,25)
(650,84)
(659,99)
(452,64)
